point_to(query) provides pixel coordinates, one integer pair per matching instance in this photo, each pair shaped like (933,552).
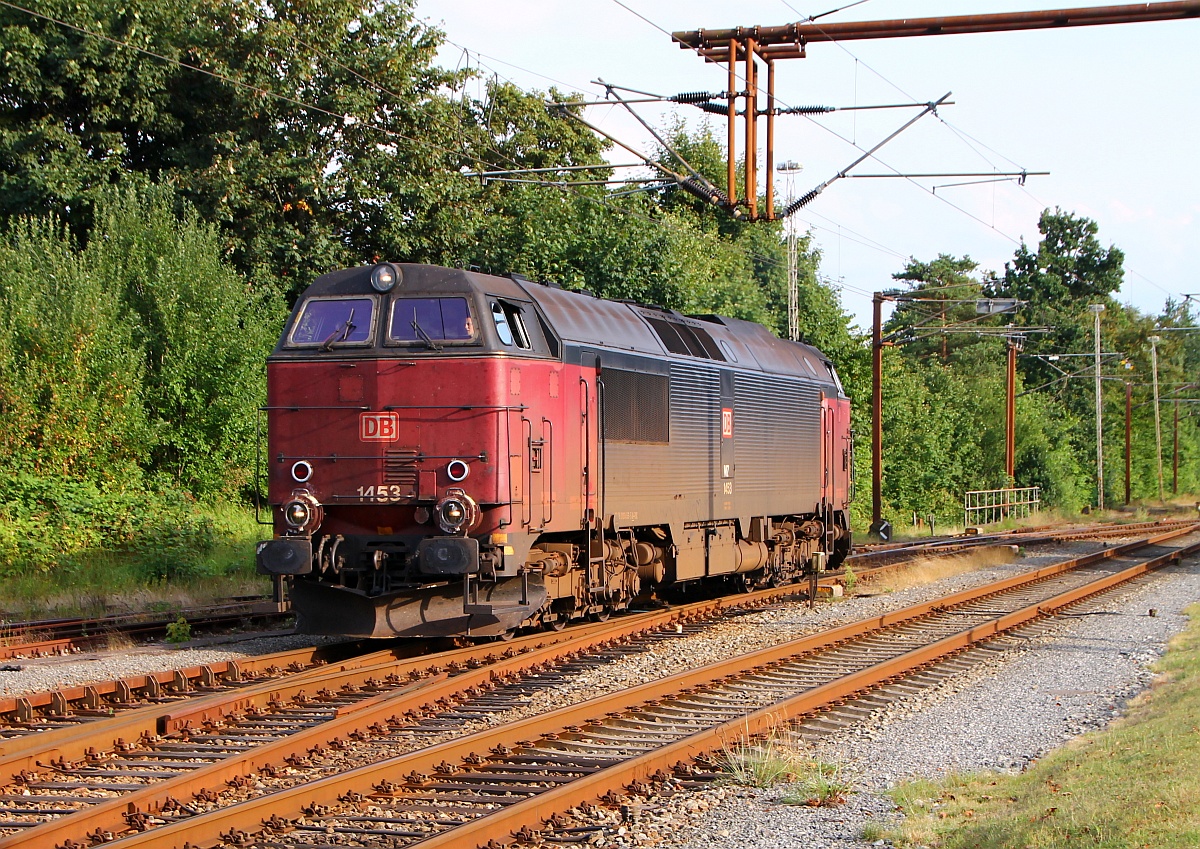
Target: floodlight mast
(750,45)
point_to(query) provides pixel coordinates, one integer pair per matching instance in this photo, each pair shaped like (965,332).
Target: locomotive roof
(580,318)
(584,319)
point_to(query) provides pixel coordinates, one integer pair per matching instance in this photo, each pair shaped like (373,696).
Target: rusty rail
(69,636)
(102,695)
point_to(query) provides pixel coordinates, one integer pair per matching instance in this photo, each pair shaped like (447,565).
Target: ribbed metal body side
(696,430)
(777,436)
(653,484)
(777,449)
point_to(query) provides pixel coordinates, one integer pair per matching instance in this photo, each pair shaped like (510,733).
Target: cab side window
(510,325)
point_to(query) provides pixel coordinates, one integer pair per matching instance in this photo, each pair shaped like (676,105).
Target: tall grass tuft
(818,785)
(759,763)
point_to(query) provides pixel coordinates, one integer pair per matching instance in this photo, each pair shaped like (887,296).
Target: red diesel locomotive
(457,454)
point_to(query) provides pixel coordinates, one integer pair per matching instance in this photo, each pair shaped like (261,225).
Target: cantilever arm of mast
(808,198)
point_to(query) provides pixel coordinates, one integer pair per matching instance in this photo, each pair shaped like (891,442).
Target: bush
(179,631)
(203,334)
(817,785)
(48,523)
(136,358)
(70,371)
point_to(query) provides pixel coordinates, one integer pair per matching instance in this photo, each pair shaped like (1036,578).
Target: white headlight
(384,277)
(456,512)
(297,513)
(302,512)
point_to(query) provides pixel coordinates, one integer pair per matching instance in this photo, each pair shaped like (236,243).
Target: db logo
(726,422)
(378,427)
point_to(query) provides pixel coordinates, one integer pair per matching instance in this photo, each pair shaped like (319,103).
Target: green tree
(138,357)
(1069,266)
(1069,271)
(941,300)
(314,132)
(204,335)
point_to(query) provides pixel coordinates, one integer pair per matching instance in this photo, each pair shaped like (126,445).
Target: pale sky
(1112,112)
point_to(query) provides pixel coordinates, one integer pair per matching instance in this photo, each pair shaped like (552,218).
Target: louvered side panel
(695,428)
(777,431)
(653,484)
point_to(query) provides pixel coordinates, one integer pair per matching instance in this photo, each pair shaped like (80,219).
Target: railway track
(889,553)
(51,637)
(39,712)
(58,637)
(326,745)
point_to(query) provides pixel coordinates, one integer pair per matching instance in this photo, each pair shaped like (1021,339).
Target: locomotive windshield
(334,321)
(430,320)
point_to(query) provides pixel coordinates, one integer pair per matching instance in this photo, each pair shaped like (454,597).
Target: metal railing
(985,506)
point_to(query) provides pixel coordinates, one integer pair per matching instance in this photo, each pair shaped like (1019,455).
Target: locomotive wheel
(601,615)
(555,624)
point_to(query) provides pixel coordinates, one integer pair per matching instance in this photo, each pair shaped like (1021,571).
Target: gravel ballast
(1002,717)
(39,675)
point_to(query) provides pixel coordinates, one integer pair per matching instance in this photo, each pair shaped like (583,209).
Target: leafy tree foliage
(202,332)
(938,315)
(946,409)
(71,374)
(1069,271)
(311,131)
(1068,267)
(136,358)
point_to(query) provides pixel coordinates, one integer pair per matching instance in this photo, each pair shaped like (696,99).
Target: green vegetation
(130,374)
(70,547)
(849,580)
(817,784)
(771,761)
(156,222)
(760,762)
(1135,784)
(179,631)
